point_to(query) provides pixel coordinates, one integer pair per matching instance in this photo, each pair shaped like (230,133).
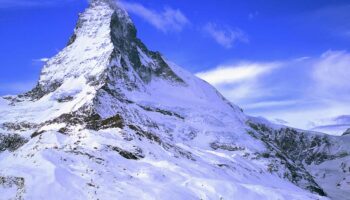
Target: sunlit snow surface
(82,165)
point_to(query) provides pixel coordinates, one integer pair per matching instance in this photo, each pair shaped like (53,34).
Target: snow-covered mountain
(110,119)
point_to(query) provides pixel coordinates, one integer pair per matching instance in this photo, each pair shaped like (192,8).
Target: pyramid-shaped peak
(105,9)
(104,41)
(109,2)
(107,6)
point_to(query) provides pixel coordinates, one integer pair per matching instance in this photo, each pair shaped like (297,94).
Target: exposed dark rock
(179,152)
(164,112)
(310,149)
(40,90)
(72,119)
(289,149)
(127,154)
(265,155)
(36,134)
(20,126)
(299,146)
(224,146)
(11,142)
(13,100)
(126,43)
(84,116)
(88,155)
(65,99)
(347,132)
(105,89)
(223,165)
(317,190)
(145,134)
(10,182)
(63,130)
(72,39)
(112,122)
(88,118)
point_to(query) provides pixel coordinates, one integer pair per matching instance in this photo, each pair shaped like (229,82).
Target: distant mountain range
(336,126)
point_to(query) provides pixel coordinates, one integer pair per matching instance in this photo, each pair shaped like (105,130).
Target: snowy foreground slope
(110,119)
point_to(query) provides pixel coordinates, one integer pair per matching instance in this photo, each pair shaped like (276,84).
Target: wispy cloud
(228,74)
(270,104)
(306,92)
(346,33)
(39,62)
(43,60)
(240,80)
(253,15)
(168,19)
(336,125)
(331,74)
(224,35)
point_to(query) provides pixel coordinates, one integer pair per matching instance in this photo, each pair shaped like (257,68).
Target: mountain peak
(111,3)
(104,40)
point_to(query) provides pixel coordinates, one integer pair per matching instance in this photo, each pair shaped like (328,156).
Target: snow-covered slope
(110,119)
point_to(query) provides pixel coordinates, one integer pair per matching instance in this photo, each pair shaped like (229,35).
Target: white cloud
(42,60)
(227,74)
(331,74)
(312,117)
(270,104)
(39,62)
(303,91)
(225,36)
(167,20)
(240,81)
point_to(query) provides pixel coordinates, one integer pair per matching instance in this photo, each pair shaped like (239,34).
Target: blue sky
(285,60)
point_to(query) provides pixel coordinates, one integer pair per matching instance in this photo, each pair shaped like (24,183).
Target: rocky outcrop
(17,183)
(11,142)
(299,149)
(285,154)
(347,132)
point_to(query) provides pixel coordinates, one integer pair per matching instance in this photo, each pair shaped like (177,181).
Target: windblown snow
(110,119)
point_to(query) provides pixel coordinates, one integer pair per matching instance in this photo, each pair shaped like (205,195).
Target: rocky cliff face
(324,158)
(111,119)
